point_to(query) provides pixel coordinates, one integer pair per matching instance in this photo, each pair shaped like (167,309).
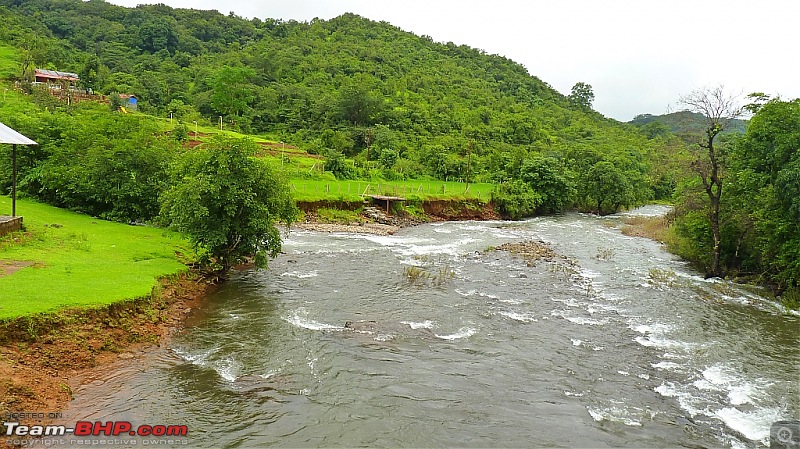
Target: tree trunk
(715,232)
(714,190)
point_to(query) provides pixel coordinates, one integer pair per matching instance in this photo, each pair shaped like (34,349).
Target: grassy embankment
(347,190)
(310,184)
(77,292)
(66,260)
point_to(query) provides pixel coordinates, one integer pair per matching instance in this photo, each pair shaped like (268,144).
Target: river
(618,343)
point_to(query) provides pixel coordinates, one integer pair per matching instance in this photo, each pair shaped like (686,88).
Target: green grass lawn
(315,190)
(8,61)
(78,260)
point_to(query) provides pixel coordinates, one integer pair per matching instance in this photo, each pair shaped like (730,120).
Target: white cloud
(639,55)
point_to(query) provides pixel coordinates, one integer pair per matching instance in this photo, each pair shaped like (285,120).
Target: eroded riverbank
(43,357)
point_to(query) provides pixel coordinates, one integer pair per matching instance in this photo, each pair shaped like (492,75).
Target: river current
(617,343)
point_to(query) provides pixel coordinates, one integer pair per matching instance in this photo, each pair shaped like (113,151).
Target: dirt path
(8,267)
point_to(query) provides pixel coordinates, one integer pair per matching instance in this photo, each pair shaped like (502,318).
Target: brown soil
(278,146)
(189,144)
(8,267)
(40,355)
(278,149)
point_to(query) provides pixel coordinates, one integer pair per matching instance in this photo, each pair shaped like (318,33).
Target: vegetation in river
(531,251)
(654,228)
(433,271)
(660,278)
(605,254)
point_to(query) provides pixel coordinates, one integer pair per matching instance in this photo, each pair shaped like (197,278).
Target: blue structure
(129,101)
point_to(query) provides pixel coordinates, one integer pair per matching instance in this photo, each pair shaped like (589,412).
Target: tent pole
(14,181)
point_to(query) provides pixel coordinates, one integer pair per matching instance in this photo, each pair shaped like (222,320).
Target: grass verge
(65,260)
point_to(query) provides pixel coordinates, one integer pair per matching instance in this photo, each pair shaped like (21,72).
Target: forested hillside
(400,105)
(685,123)
(372,102)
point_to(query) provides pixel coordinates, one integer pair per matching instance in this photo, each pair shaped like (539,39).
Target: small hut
(13,138)
(55,79)
(129,101)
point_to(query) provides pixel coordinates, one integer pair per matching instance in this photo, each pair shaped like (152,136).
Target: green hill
(684,122)
(374,101)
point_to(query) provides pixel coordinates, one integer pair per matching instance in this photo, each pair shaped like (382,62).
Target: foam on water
(524,317)
(411,246)
(195,359)
(723,393)
(685,399)
(227,369)
(300,318)
(464,332)
(427,324)
(753,425)
(664,343)
(300,274)
(739,390)
(452,249)
(613,414)
(578,319)
(654,336)
(666,365)
(582,320)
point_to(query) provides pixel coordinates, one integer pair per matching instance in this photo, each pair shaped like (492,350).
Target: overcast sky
(638,55)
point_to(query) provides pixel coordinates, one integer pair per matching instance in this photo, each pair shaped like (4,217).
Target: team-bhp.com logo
(97,428)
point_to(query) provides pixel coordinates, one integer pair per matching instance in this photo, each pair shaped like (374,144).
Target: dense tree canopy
(346,86)
(373,101)
(228,203)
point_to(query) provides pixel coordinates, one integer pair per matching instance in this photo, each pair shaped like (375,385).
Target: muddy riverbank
(41,356)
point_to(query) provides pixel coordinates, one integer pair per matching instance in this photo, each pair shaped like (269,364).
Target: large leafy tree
(546,176)
(228,203)
(232,90)
(581,96)
(768,163)
(608,187)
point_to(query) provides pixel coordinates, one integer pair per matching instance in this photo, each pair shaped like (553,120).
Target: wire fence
(323,189)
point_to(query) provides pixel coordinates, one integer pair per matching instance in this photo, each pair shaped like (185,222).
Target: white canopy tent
(13,138)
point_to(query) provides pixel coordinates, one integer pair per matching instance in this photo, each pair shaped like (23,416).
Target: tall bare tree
(719,108)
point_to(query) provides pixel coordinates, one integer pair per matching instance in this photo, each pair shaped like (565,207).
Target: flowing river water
(618,343)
